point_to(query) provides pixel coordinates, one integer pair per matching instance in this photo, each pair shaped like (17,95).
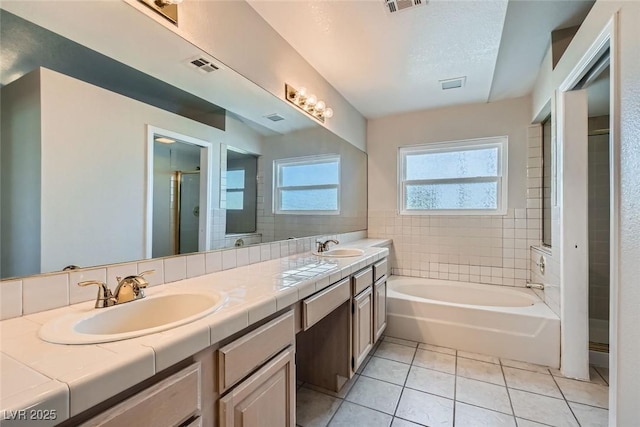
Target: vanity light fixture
(308,103)
(166,8)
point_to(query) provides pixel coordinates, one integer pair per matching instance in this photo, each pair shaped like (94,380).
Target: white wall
(625,298)
(20,191)
(93,168)
(240,135)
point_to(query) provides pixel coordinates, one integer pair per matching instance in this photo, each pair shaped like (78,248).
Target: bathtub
(495,320)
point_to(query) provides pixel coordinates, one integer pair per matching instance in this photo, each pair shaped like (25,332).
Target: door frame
(206,166)
(573,318)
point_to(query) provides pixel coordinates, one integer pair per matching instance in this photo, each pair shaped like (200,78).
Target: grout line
(404,385)
(601,376)
(506,385)
(565,400)
(538,422)
(455,387)
(481,407)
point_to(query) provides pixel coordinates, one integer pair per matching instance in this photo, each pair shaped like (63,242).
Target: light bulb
(302,92)
(328,113)
(320,106)
(311,100)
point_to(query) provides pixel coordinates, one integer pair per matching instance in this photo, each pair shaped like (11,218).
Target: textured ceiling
(391,63)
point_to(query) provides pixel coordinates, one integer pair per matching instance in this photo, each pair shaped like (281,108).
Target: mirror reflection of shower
(185,210)
(176,197)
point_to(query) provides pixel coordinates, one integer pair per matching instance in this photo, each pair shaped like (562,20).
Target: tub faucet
(129,288)
(539,286)
(324,246)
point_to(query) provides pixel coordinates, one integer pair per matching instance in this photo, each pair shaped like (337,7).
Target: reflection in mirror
(77,115)
(241,193)
(177,177)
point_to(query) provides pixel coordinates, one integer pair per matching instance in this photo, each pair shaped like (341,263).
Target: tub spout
(535,286)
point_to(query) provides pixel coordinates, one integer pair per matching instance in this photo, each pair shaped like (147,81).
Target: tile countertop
(40,379)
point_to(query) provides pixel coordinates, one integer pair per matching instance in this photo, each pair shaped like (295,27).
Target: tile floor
(406,384)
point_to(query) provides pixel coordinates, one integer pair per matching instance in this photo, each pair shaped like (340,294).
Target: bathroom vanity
(245,376)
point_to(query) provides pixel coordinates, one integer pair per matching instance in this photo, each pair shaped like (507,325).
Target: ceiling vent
(456,83)
(203,64)
(275,117)
(394,6)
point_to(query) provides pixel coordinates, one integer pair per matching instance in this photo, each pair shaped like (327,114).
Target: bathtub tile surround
(486,249)
(429,397)
(47,291)
(550,278)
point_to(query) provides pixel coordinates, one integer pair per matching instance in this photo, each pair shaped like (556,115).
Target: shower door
(186,212)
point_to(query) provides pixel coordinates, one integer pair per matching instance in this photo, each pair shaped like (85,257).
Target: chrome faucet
(324,246)
(129,288)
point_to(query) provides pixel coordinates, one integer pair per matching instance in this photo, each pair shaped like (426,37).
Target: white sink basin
(341,252)
(133,319)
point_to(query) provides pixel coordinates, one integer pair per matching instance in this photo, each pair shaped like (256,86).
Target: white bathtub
(501,321)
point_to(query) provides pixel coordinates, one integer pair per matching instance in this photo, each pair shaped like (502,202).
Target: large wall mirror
(116,147)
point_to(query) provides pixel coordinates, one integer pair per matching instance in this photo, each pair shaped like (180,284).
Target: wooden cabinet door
(362,326)
(380,307)
(266,398)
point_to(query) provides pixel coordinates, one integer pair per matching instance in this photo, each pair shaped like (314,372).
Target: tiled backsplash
(484,249)
(48,291)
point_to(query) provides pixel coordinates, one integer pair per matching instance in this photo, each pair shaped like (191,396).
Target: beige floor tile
(482,371)
(595,377)
(527,423)
(584,392)
(531,381)
(524,365)
(590,416)
(387,370)
(399,422)
(314,409)
(478,356)
(438,361)
(604,372)
(543,409)
(397,352)
(483,394)
(400,341)
(430,381)
(431,347)
(472,416)
(426,409)
(375,394)
(350,415)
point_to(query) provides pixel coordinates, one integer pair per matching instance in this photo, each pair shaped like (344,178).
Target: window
(460,177)
(235,189)
(307,185)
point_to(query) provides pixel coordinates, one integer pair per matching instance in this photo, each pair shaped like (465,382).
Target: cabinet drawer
(167,404)
(361,280)
(380,269)
(239,358)
(319,305)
